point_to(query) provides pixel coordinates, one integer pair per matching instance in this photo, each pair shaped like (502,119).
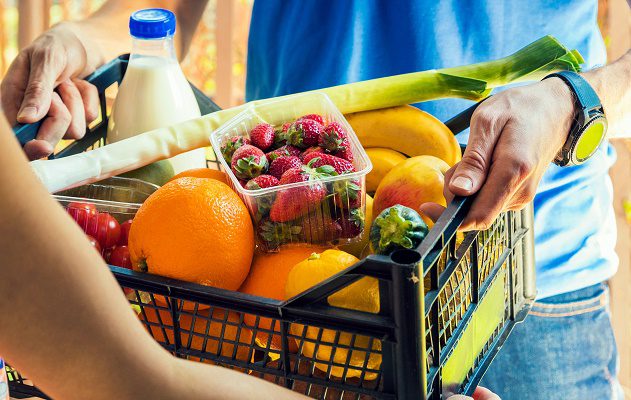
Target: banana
(406,129)
(383,160)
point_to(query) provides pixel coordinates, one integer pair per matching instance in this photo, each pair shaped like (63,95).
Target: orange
(362,295)
(204,334)
(267,278)
(196,230)
(203,173)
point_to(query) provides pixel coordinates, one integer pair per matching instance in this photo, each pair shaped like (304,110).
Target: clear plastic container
(103,210)
(4,383)
(120,197)
(324,222)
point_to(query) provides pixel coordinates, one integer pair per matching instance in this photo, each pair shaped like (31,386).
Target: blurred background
(216,64)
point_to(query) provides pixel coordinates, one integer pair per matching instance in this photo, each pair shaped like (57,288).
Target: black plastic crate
(446,307)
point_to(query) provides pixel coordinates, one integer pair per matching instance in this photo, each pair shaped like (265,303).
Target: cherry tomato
(106,255)
(104,228)
(124,238)
(81,213)
(120,257)
(94,243)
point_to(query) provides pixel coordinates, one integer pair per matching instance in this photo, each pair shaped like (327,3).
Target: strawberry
(333,138)
(345,153)
(347,193)
(295,202)
(286,150)
(248,162)
(262,136)
(314,149)
(228,148)
(352,224)
(304,133)
(316,117)
(280,136)
(272,235)
(278,167)
(262,182)
(319,227)
(340,165)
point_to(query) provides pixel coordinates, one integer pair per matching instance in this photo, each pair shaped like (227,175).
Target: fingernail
(463,183)
(27,112)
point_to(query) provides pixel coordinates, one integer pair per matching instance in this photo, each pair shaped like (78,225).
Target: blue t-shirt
(308,44)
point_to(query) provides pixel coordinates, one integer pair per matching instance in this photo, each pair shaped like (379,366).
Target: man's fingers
(432,210)
(72,100)
(52,130)
(45,68)
(90,97)
(501,184)
(470,173)
(13,86)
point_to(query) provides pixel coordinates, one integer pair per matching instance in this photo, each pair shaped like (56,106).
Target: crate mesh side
(497,251)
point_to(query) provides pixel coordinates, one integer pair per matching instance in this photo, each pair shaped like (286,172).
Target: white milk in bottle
(154,92)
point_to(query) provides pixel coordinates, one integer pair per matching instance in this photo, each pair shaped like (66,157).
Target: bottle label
(4,384)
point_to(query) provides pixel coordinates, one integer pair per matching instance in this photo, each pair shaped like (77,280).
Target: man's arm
(65,54)
(516,134)
(107,29)
(613,85)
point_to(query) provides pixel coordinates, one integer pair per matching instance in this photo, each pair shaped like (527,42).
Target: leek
(473,82)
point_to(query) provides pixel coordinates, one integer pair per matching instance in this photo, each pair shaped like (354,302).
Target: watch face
(593,134)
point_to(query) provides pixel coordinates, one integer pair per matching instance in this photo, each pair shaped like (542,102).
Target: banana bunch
(389,135)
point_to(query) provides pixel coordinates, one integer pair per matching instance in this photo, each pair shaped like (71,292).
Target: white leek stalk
(472,82)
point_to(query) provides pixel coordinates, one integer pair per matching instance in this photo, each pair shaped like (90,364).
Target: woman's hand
(43,83)
(480,394)
(514,137)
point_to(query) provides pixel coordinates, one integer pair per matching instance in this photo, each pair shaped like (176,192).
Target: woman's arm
(65,322)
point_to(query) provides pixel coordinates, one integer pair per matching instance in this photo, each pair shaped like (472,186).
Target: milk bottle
(4,384)
(154,92)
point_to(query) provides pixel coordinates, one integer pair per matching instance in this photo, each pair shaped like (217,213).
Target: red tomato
(81,213)
(94,243)
(125,227)
(120,257)
(104,228)
(106,255)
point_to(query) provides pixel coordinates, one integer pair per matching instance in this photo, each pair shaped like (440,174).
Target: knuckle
(521,167)
(35,89)
(474,159)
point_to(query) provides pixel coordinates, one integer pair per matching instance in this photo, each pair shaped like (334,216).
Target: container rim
(231,123)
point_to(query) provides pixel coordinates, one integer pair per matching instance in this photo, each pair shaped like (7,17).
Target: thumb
(37,98)
(470,173)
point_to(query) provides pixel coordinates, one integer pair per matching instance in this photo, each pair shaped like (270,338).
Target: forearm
(613,85)
(64,319)
(105,34)
(65,322)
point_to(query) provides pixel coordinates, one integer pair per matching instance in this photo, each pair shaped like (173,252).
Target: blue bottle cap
(152,23)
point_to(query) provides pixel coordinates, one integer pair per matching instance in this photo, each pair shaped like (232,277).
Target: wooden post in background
(34,18)
(224,24)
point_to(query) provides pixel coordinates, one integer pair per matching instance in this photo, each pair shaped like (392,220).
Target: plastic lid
(152,23)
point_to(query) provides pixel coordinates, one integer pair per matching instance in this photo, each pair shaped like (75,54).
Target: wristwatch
(589,127)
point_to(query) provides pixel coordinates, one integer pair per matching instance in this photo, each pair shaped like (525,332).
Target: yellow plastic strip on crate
(470,82)
(486,319)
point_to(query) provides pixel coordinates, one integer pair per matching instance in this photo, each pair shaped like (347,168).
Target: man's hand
(514,137)
(42,83)
(480,394)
